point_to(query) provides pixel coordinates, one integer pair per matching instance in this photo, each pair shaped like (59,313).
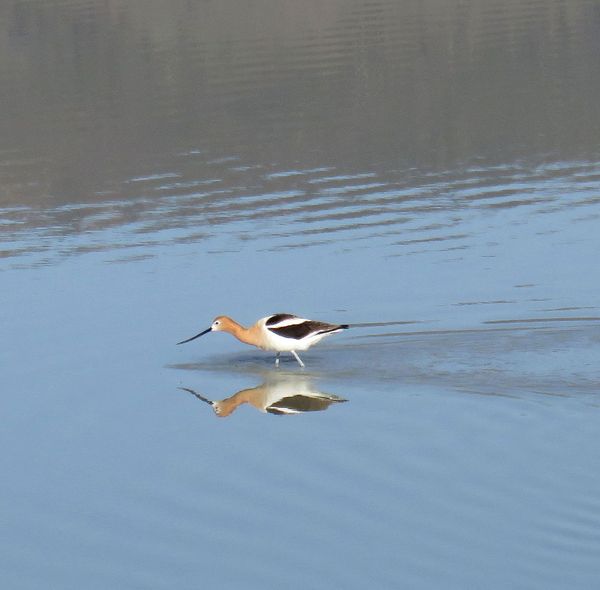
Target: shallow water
(426,172)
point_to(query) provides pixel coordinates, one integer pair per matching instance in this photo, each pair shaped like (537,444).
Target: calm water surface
(428,172)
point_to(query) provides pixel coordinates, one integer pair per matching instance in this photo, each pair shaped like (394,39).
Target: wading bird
(281,393)
(281,332)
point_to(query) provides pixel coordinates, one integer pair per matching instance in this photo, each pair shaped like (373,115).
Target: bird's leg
(298,358)
(277,359)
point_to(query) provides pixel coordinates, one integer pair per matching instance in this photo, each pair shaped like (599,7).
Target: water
(428,173)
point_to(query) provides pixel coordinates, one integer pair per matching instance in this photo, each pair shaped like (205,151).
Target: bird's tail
(334,329)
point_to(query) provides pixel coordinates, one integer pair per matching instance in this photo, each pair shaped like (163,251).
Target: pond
(428,173)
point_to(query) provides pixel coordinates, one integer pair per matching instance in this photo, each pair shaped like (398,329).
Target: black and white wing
(291,326)
(300,403)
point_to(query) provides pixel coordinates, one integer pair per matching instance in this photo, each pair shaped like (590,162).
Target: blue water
(193,175)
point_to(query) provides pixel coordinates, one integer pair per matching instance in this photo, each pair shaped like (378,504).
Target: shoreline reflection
(279,395)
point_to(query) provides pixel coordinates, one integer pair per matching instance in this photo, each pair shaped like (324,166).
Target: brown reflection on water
(281,395)
(192,115)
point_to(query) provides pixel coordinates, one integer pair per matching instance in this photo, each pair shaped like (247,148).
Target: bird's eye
(217,323)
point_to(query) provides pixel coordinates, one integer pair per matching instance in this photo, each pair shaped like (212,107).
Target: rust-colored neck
(245,335)
(227,406)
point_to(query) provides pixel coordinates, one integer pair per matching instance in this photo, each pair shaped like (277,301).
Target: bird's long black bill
(197,395)
(196,336)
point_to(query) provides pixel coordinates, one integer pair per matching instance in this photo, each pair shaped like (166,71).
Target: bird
(284,394)
(280,332)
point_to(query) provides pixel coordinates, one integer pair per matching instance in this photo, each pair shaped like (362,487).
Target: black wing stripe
(299,331)
(279,317)
(295,331)
(302,403)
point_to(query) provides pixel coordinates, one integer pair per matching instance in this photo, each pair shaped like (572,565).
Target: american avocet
(281,332)
(285,395)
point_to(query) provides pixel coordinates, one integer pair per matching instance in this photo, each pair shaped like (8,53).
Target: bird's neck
(245,396)
(245,335)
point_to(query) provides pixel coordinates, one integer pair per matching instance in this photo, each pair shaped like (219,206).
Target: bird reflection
(282,394)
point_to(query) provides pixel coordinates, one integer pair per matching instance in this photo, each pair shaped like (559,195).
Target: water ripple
(441,202)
